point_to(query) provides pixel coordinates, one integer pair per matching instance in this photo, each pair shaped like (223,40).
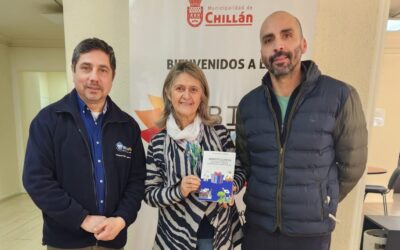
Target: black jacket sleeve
(39,178)
(351,139)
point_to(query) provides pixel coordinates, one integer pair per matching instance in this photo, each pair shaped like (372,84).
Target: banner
(222,37)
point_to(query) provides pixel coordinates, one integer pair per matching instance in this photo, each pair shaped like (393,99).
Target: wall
(347,45)
(57,86)
(108,20)
(29,60)
(35,90)
(29,101)
(385,140)
(53,86)
(9,178)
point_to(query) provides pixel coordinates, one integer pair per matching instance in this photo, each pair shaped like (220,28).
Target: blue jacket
(298,169)
(59,176)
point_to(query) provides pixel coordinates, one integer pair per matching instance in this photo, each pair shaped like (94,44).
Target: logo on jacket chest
(122,150)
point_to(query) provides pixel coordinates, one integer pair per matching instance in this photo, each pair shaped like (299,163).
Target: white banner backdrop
(222,37)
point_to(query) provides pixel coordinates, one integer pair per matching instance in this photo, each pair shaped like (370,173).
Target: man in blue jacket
(85,163)
(302,139)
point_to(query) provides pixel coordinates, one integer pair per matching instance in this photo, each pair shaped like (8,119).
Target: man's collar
(84,107)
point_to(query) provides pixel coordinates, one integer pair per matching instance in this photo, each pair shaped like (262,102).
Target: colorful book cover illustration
(217,176)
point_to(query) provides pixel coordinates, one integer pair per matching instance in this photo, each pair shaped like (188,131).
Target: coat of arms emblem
(195,13)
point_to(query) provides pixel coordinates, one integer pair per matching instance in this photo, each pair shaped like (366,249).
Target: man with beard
(85,164)
(302,141)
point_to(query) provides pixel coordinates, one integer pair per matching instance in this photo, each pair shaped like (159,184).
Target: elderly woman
(174,163)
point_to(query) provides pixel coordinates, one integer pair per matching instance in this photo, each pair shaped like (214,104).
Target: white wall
(29,60)
(9,178)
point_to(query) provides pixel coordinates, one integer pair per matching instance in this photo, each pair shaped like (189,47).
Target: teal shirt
(283,103)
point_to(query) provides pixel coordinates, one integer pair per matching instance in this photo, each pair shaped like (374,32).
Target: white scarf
(189,133)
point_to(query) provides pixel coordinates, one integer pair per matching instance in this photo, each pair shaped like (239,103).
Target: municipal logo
(123,149)
(194,14)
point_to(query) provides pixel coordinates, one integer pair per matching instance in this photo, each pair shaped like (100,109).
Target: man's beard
(283,70)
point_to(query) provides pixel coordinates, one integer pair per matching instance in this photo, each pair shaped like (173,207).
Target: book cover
(217,176)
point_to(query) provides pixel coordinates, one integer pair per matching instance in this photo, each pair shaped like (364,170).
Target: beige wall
(28,101)
(9,179)
(13,62)
(28,60)
(385,140)
(34,91)
(56,86)
(346,45)
(107,20)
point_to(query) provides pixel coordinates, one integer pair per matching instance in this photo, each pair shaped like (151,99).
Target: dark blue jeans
(255,238)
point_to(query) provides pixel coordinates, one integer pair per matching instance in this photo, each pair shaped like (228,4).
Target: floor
(374,206)
(21,224)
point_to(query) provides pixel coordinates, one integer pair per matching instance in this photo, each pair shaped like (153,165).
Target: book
(217,176)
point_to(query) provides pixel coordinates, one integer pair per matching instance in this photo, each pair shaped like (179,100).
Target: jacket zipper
(282,149)
(91,163)
(90,156)
(280,165)
(104,167)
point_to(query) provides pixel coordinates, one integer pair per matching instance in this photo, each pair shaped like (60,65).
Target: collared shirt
(93,124)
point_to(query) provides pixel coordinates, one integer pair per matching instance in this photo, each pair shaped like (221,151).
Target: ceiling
(38,23)
(31,23)
(394,11)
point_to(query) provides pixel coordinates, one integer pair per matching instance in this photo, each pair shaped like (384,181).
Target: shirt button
(97,142)
(101,181)
(95,123)
(83,111)
(102,201)
(98,161)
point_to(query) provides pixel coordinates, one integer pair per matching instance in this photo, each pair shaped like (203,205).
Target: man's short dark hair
(90,44)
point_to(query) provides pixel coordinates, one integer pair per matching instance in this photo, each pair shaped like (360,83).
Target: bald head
(282,16)
(282,44)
